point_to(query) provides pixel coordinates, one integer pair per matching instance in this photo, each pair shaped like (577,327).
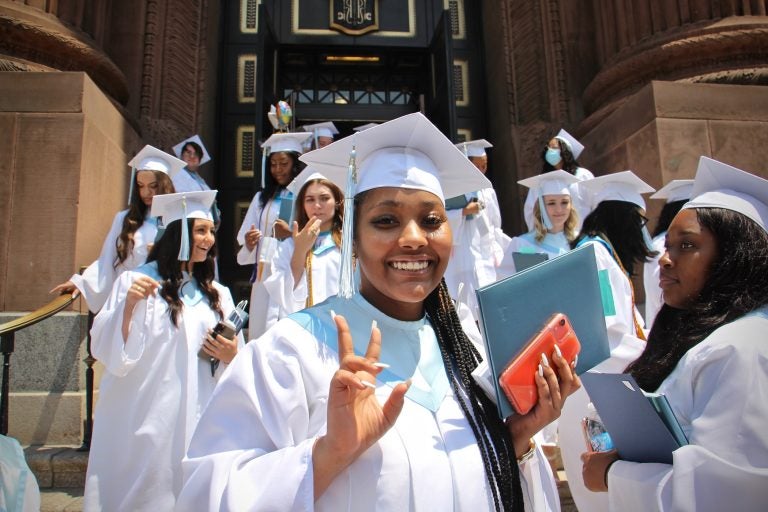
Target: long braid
(460,358)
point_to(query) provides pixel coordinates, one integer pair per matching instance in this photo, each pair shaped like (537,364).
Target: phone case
(517,380)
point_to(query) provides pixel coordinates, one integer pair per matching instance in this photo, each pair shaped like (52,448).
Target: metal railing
(7,341)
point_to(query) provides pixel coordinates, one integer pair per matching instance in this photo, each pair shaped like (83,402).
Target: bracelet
(529,454)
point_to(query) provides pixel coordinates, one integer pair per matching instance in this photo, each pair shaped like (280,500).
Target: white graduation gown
(719,393)
(292,296)
(252,449)
(263,312)
(95,283)
(653,299)
(553,245)
(150,398)
(184,181)
(580,200)
(478,248)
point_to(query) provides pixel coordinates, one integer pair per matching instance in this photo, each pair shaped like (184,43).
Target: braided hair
(460,357)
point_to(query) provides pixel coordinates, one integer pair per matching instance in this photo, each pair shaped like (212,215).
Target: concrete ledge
(46,418)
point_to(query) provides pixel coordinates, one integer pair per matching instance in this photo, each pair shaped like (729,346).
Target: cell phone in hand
(597,438)
(517,380)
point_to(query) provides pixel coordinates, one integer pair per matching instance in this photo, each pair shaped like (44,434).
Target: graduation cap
(407,152)
(152,159)
(619,186)
(281,142)
(574,146)
(326,129)
(179,148)
(474,148)
(549,184)
(337,176)
(364,127)
(184,205)
(718,185)
(675,190)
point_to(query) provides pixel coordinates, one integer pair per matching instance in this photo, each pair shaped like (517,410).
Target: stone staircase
(60,473)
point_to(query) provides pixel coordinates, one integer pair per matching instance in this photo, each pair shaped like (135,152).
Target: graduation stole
(328,243)
(638,329)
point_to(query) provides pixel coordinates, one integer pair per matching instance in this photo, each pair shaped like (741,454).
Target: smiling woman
(147,336)
(375,407)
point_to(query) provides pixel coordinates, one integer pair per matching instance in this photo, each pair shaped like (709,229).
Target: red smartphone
(517,380)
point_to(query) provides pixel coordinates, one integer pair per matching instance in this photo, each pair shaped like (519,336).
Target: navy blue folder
(640,432)
(514,309)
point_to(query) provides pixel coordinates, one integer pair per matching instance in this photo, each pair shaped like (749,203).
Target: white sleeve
(96,281)
(244,256)
(282,289)
(720,391)
(456,221)
(252,449)
(528,209)
(107,344)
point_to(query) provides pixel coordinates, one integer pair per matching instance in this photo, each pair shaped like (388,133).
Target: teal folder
(642,426)
(286,209)
(514,309)
(524,260)
(456,203)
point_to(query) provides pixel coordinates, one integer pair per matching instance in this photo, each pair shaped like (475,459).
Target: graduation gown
(187,181)
(478,248)
(263,312)
(95,283)
(580,201)
(553,245)
(719,392)
(252,449)
(653,299)
(292,296)
(151,395)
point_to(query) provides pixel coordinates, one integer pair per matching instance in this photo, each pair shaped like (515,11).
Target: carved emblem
(355,17)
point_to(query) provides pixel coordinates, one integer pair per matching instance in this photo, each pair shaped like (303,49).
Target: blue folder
(286,209)
(640,431)
(514,309)
(456,203)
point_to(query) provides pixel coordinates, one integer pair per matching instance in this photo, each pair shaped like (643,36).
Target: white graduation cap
(364,127)
(619,186)
(407,152)
(675,190)
(547,184)
(326,129)
(336,176)
(178,148)
(184,205)
(152,159)
(718,185)
(574,145)
(474,148)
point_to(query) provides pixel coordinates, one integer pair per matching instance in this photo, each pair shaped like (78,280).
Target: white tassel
(347,277)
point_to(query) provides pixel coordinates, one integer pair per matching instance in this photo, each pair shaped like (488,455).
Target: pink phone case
(517,380)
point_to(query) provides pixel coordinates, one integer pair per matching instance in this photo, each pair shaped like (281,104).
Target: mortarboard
(281,142)
(326,129)
(178,148)
(675,190)
(407,152)
(619,186)
(550,183)
(574,145)
(184,205)
(474,148)
(364,127)
(152,159)
(718,185)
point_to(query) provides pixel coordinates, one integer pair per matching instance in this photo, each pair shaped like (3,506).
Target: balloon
(284,113)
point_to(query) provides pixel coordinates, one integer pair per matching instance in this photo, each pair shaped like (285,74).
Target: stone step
(61,500)
(60,467)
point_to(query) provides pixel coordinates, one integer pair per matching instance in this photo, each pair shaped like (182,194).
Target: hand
(252,237)
(304,240)
(220,347)
(63,288)
(472,208)
(553,388)
(282,229)
(594,469)
(141,288)
(356,420)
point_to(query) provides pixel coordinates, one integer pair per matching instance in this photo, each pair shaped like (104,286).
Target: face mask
(552,156)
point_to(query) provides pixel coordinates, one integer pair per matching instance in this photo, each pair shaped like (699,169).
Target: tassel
(347,274)
(264,155)
(543,211)
(184,245)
